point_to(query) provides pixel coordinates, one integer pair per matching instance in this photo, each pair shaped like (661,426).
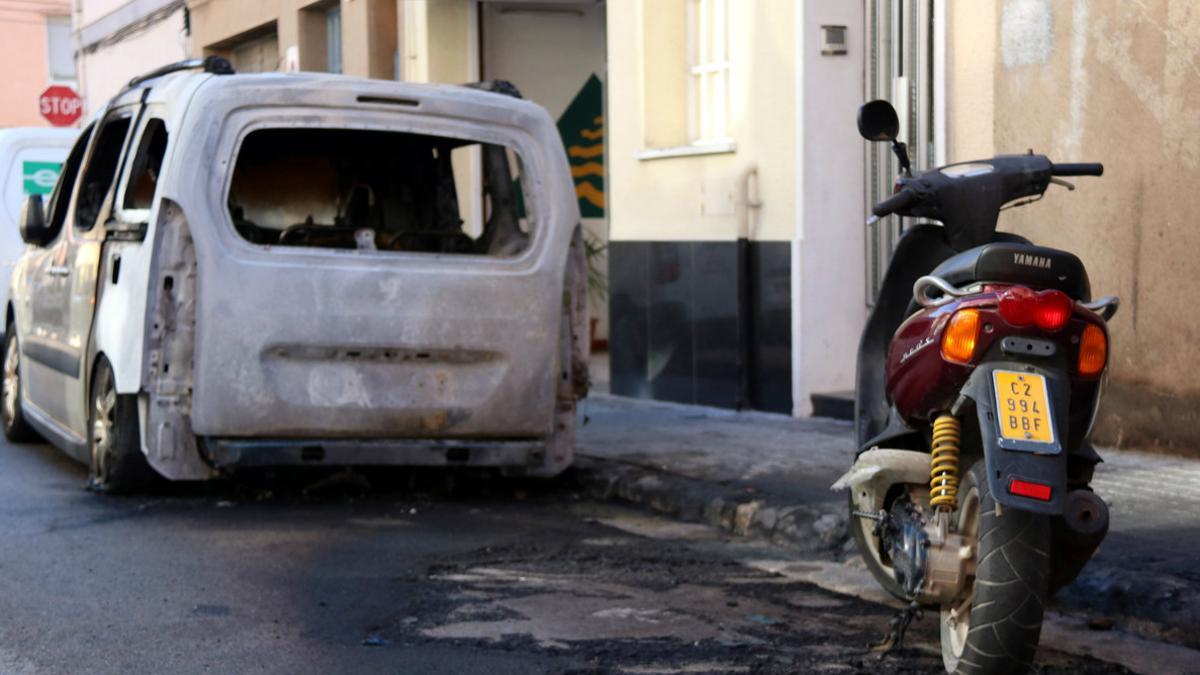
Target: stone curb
(818,530)
(1160,607)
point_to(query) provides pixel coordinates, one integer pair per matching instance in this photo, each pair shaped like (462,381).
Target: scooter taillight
(1049,309)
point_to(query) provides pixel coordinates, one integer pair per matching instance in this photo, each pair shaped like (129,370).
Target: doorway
(555,54)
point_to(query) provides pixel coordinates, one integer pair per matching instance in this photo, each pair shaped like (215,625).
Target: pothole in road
(636,608)
(560,609)
(648,605)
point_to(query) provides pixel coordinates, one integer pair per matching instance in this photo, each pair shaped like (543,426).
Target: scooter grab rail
(1106,307)
(923,285)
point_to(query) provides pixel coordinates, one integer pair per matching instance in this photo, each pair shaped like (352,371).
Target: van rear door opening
(378,190)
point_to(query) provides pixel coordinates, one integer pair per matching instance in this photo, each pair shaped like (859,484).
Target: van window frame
(520,144)
(58,202)
(121,216)
(124,112)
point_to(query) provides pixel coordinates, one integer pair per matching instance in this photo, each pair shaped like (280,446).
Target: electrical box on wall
(833,40)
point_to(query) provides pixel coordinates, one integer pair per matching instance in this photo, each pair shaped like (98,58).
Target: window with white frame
(60,54)
(708,71)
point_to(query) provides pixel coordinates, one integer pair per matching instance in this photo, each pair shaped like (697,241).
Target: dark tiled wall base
(673,316)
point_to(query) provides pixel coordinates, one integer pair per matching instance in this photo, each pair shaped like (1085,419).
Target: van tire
(116,463)
(16,427)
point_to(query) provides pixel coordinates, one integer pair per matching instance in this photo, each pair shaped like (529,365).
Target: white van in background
(30,159)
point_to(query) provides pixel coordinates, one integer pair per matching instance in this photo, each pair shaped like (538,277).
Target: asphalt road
(404,575)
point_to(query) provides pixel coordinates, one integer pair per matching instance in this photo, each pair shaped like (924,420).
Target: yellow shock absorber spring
(943,464)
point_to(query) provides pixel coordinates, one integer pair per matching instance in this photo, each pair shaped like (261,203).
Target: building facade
(715,153)
(37,48)
(736,174)
(117,40)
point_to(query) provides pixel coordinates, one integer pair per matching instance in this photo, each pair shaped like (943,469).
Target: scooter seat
(1035,266)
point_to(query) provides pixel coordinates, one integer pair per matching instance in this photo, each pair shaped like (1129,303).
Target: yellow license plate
(1023,406)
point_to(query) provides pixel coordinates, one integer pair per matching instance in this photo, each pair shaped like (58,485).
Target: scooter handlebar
(897,202)
(1080,169)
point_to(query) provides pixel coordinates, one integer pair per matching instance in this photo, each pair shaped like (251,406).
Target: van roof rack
(217,65)
(496,86)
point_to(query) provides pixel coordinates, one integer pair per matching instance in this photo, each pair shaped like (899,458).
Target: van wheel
(117,464)
(16,428)
(995,625)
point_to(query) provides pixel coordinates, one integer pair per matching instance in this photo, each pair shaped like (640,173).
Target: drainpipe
(748,202)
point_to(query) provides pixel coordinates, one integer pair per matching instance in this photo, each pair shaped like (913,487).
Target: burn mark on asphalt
(627,607)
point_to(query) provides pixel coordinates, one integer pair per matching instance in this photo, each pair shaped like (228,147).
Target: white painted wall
(828,284)
(104,72)
(92,10)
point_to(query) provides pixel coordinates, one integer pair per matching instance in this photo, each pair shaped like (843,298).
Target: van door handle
(59,270)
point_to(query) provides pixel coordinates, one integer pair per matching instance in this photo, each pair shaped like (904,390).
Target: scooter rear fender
(1043,463)
(877,470)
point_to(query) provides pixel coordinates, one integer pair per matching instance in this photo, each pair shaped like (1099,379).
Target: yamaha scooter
(979,374)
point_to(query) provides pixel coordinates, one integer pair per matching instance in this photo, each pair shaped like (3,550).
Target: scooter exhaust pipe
(1086,514)
(1077,535)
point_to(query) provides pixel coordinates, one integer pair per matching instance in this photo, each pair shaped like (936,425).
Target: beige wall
(369,31)
(453,56)
(1115,82)
(217,22)
(23,52)
(970,79)
(695,197)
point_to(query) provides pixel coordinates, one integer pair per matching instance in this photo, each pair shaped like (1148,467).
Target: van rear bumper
(241,452)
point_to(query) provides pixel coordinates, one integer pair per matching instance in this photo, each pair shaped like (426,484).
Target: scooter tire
(1010,588)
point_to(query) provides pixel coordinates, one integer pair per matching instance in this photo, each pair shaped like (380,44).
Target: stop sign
(60,105)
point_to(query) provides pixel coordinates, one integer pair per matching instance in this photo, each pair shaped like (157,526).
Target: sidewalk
(768,476)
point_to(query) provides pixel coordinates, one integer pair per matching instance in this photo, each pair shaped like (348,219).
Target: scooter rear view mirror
(877,121)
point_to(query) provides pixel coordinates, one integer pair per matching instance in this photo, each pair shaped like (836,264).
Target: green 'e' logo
(40,177)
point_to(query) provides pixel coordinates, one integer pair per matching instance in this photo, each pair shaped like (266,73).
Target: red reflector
(1023,488)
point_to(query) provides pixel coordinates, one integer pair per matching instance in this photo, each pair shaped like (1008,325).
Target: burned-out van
(286,269)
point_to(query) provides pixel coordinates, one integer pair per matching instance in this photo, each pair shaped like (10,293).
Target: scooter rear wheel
(868,547)
(995,625)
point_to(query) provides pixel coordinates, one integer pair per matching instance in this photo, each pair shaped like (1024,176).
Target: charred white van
(30,160)
(282,269)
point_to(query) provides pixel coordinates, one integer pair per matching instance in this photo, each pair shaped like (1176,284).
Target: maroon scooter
(979,374)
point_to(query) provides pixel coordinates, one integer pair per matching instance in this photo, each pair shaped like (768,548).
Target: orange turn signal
(962,333)
(1093,350)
